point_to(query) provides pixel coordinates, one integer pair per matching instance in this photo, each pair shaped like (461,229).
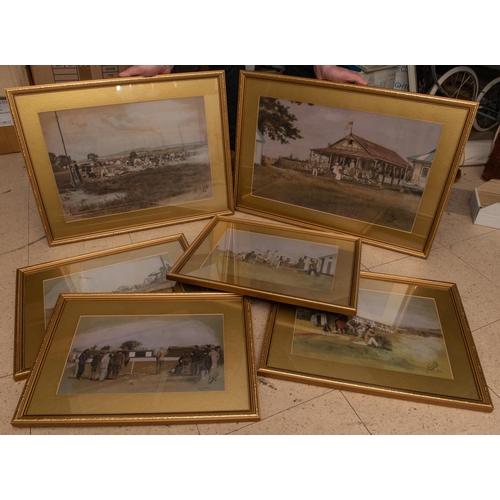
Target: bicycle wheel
(488,114)
(460,83)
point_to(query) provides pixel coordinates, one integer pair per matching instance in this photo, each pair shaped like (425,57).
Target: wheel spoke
(487,115)
(460,82)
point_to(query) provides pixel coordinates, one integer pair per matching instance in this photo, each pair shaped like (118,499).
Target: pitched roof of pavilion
(371,150)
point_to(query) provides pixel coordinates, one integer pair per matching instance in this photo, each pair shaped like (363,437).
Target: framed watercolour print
(143,359)
(119,155)
(410,339)
(374,163)
(282,263)
(137,268)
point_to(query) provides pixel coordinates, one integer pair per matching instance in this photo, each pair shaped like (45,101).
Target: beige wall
(12,76)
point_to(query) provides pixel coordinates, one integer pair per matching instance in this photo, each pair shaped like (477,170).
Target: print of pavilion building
(361,159)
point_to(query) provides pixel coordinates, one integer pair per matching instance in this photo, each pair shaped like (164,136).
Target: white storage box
(485,204)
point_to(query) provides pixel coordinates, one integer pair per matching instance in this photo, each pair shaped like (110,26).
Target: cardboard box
(379,76)
(485,204)
(8,141)
(72,73)
(13,76)
(8,136)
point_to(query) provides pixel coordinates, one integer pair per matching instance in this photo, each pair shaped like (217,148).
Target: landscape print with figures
(360,165)
(273,259)
(145,354)
(390,331)
(146,275)
(127,157)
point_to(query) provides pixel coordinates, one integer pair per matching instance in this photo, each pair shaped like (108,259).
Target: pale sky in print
(398,310)
(107,130)
(323,125)
(153,331)
(104,279)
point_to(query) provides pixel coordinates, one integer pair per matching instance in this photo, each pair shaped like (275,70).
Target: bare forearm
(146,71)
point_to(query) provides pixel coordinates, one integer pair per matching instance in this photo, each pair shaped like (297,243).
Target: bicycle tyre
(488,114)
(460,83)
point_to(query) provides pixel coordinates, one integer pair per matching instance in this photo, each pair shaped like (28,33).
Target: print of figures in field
(126,157)
(364,166)
(123,354)
(392,332)
(146,275)
(274,259)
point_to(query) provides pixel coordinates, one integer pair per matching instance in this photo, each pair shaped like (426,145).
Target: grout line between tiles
(485,326)
(493,391)
(24,246)
(356,413)
(474,237)
(471,267)
(285,410)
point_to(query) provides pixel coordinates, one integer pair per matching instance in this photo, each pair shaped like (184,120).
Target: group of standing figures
(305,263)
(103,366)
(200,362)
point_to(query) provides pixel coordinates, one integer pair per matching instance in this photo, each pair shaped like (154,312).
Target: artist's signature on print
(213,377)
(432,366)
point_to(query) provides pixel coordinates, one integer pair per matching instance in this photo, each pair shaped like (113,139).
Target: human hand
(146,70)
(338,74)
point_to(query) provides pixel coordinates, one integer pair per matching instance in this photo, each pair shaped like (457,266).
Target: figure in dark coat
(82,359)
(95,366)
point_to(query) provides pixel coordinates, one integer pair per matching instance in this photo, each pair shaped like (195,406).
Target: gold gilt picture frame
(371,162)
(143,359)
(136,268)
(273,262)
(410,339)
(120,155)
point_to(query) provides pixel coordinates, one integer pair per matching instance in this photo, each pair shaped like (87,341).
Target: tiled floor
(462,253)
